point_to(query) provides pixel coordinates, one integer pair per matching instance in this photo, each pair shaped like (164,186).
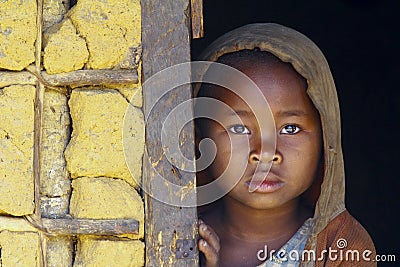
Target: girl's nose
(266,157)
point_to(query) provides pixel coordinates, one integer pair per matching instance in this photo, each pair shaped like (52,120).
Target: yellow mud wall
(82,167)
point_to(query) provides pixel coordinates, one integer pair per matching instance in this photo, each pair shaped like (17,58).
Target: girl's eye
(290,129)
(239,129)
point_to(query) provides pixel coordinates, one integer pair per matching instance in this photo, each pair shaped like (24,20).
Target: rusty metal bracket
(185,248)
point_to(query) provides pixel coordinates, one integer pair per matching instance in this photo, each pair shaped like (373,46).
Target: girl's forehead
(269,78)
(278,83)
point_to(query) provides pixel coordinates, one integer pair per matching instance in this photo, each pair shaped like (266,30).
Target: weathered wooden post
(171,230)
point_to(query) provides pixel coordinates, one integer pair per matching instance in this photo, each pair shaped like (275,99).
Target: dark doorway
(360,40)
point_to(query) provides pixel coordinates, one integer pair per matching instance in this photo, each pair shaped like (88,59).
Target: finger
(209,235)
(209,252)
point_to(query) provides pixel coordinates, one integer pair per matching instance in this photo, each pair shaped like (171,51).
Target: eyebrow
(281,113)
(240,113)
(291,113)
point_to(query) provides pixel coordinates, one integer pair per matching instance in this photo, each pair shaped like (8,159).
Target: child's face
(298,138)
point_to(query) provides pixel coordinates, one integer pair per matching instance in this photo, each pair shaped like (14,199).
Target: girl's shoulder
(345,233)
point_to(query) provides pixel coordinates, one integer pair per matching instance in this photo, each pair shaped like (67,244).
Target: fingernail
(203,243)
(201,221)
(203,227)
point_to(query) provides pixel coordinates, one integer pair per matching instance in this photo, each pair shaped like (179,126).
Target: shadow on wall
(360,40)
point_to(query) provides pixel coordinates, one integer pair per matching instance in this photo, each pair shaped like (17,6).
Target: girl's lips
(267,185)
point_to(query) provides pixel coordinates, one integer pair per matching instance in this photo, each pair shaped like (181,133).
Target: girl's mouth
(266,185)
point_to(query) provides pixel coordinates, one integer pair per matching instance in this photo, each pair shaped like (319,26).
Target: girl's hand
(209,245)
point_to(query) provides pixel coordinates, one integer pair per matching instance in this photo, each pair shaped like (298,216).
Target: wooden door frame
(170,231)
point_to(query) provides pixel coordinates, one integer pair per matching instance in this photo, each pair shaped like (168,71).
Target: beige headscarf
(295,48)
